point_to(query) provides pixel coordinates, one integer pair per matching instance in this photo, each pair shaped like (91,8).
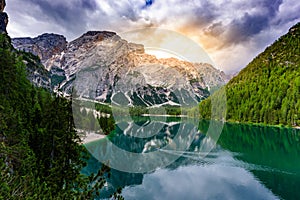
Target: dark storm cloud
(204,14)
(243,29)
(246,28)
(233,22)
(72,14)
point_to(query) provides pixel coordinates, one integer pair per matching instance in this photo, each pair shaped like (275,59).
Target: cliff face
(36,72)
(101,65)
(2,5)
(44,46)
(3,17)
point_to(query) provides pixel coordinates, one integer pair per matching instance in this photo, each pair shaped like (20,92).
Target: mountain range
(102,66)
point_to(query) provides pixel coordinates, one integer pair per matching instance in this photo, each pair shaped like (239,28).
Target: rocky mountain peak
(3,17)
(90,38)
(105,34)
(44,46)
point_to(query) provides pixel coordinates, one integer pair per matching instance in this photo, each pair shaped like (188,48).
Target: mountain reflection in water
(248,162)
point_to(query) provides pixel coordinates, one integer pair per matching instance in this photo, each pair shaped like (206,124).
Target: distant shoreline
(91,137)
(262,124)
(153,115)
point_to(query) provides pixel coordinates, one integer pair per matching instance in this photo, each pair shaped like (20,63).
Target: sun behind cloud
(165,43)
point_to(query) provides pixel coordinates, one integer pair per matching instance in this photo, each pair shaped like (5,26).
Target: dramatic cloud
(32,16)
(232,32)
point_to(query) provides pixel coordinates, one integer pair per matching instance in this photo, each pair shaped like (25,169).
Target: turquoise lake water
(175,158)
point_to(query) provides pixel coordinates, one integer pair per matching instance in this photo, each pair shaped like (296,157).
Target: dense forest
(268,89)
(41,155)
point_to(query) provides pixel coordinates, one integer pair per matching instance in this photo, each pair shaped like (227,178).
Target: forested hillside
(268,89)
(40,154)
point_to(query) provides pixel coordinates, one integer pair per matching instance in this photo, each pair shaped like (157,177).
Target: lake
(177,158)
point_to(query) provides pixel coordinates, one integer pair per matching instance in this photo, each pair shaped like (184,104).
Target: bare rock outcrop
(2,5)
(44,46)
(3,17)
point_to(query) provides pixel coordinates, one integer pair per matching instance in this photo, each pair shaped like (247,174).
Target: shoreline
(153,115)
(262,124)
(91,137)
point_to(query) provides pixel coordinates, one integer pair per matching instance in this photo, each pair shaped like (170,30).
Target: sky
(231,32)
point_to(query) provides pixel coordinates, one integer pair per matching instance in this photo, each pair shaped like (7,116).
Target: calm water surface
(248,162)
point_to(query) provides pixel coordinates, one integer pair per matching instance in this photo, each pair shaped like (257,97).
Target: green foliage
(102,108)
(56,80)
(268,89)
(40,151)
(107,124)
